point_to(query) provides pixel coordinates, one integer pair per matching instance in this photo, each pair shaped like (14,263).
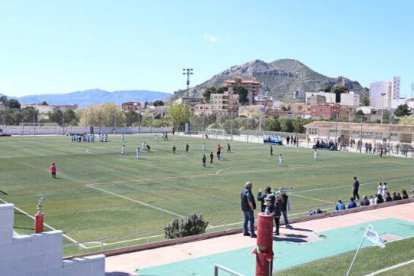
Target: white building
(350,98)
(383,93)
(330,97)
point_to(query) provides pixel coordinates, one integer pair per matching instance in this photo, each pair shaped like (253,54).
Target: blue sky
(61,46)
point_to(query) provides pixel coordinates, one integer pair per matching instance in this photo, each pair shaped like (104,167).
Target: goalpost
(38,128)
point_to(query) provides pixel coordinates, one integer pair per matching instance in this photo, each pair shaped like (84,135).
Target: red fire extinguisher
(39,216)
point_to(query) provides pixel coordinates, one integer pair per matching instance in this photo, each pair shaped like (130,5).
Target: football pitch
(104,200)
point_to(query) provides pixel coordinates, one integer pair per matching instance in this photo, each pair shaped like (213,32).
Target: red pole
(39,222)
(264,249)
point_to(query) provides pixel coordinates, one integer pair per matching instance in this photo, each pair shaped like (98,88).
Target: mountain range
(96,96)
(280,79)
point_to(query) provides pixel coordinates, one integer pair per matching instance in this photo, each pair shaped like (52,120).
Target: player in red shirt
(53,170)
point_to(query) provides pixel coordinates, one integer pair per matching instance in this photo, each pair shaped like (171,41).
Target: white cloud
(210,38)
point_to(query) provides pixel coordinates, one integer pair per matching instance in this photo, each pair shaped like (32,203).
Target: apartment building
(383,93)
(253,87)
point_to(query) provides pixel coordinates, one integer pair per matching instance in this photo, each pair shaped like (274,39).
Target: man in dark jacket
(277,212)
(355,185)
(285,206)
(248,205)
(261,197)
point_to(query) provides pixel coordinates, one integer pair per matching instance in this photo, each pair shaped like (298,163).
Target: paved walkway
(303,233)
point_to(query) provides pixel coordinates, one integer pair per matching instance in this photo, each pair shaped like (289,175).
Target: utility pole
(188,72)
(382,110)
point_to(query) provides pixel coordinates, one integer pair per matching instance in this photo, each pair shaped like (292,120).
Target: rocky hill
(280,79)
(96,96)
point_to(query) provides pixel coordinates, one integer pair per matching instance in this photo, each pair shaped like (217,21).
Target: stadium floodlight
(188,72)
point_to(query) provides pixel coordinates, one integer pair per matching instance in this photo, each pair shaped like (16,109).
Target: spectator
(340,205)
(248,205)
(285,208)
(384,190)
(399,196)
(372,200)
(380,199)
(355,188)
(277,213)
(352,203)
(261,197)
(379,188)
(394,196)
(365,201)
(388,197)
(404,194)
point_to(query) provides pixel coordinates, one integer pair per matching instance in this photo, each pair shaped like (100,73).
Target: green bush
(184,227)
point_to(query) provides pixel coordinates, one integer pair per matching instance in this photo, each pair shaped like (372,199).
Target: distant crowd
(382,195)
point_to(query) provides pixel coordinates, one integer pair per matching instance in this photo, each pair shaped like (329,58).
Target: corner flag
(373,236)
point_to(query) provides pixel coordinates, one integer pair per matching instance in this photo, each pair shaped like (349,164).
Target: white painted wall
(40,254)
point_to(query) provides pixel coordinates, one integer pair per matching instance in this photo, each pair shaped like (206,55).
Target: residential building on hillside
(330,97)
(383,93)
(253,87)
(351,99)
(317,100)
(225,104)
(203,109)
(221,104)
(250,110)
(134,106)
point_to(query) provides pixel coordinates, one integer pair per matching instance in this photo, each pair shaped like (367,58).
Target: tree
(365,101)
(272,124)
(338,90)
(132,117)
(103,115)
(70,117)
(56,116)
(179,114)
(44,103)
(326,89)
(158,103)
(12,103)
(359,113)
(287,125)
(243,92)
(402,110)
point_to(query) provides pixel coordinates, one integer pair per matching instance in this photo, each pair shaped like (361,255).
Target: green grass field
(100,194)
(368,260)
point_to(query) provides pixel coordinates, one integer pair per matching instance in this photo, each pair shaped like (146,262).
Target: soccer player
(53,170)
(280,159)
(211,157)
(187,147)
(123,150)
(228,148)
(138,152)
(315,154)
(204,159)
(218,151)
(271,150)
(174,149)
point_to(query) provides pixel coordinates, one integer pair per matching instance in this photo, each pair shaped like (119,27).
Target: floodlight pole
(382,110)
(188,72)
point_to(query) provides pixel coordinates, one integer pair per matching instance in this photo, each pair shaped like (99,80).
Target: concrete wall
(40,254)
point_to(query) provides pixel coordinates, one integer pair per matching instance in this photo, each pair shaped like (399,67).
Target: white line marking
(313,198)
(47,225)
(390,268)
(135,201)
